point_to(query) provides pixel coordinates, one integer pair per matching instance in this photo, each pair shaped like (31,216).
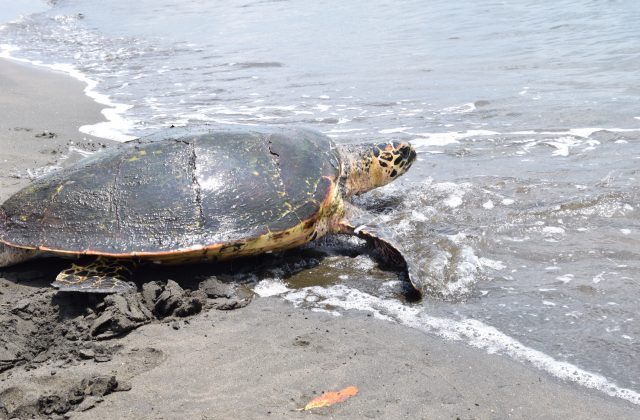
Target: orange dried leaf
(331,397)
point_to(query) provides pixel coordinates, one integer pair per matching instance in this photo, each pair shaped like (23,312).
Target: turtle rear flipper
(387,250)
(11,256)
(102,275)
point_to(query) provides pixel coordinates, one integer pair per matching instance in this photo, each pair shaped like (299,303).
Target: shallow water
(522,210)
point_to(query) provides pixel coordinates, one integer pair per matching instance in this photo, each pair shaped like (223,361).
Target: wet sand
(171,351)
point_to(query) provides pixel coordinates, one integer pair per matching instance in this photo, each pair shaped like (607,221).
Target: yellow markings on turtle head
(142,152)
(23,218)
(133,158)
(282,193)
(157,152)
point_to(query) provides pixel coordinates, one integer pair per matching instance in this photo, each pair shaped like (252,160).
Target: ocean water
(523,210)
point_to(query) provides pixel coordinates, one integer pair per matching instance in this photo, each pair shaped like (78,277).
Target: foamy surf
(116,126)
(470,331)
(446,138)
(561,140)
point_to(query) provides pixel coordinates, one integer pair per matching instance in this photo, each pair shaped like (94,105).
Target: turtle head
(368,166)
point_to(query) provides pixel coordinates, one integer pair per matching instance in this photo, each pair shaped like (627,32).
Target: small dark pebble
(47,134)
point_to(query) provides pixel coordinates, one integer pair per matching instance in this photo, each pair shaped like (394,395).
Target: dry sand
(171,352)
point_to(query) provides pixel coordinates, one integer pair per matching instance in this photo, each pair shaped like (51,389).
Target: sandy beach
(203,348)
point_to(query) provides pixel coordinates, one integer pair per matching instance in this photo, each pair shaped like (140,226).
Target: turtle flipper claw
(102,275)
(388,251)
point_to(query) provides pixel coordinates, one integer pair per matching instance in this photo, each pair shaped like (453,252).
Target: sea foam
(470,331)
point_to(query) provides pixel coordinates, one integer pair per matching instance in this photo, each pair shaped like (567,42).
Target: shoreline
(40,112)
(268,358)
(111,112)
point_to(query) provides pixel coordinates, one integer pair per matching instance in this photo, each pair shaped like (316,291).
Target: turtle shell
(177,195)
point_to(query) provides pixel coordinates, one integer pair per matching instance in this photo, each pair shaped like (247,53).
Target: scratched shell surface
(175,194)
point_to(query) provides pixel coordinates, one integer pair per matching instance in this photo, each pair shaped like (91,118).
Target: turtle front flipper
(102,275)
(386,248)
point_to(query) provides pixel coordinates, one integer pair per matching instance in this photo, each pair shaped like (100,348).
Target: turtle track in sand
(54,344)
(59,352)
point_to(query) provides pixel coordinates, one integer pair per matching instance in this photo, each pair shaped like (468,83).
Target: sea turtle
(206,196)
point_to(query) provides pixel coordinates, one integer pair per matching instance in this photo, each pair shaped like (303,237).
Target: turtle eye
(404,151)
